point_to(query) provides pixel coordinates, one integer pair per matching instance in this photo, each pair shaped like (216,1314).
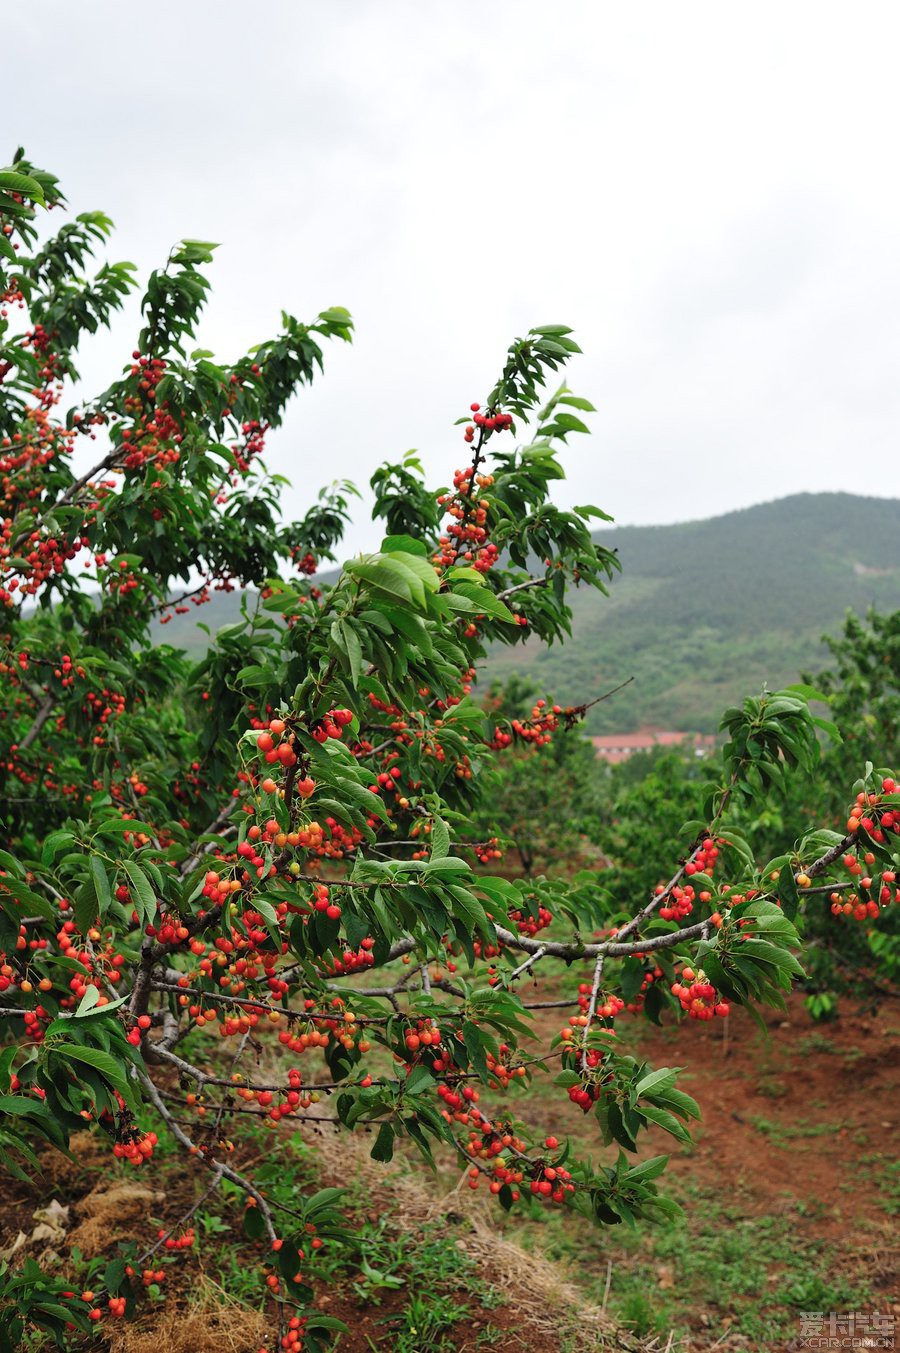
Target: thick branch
(43,714)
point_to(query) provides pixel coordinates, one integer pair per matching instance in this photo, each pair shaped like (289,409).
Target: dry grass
(113,1212)
(540,1290)
(212,1322)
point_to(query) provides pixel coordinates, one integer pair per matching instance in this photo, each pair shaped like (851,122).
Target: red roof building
(616,747)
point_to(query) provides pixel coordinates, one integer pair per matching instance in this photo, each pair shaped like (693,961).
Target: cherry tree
(249,886)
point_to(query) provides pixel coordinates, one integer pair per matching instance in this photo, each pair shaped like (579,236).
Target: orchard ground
(790,1193)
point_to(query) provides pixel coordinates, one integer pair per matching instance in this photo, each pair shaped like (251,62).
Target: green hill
(703,612)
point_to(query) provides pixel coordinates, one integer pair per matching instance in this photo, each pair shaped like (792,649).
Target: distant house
(615,747)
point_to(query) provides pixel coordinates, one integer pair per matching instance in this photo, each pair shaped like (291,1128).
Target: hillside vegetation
(702,613)
(705,612)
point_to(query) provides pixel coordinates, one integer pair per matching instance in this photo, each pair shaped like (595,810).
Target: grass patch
(782,1132)
(882,1176)
(748,1273)
(771,1087)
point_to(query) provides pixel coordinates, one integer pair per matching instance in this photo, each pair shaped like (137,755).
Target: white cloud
(705,192)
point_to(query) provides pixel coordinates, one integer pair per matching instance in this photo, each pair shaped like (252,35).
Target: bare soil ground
(784,1116)
(799,1124)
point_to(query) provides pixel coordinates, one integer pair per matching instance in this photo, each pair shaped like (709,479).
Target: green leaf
(94,1012)
(403,544)
(419,1079)
(88,1001)
(440,839)
(647,1170)
(666,1120)
(254,1223)
(22,1106)
(384,576)
(30,902)
(632,978)
(364,798)
(788,891)
(146,897)
(658,1080)
(473,1039)
(480,599)
(353,649)
(101,884)
(328,1322)
(383,1147)
(114,1275)
(85,907)
(14,182)
(102,1061)
(420,568)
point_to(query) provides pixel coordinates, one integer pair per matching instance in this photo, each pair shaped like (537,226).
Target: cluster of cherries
(305,563)
(698,997)
(425,1033)
(354,961)
(456,1101)
(869,814)
(607,1007)
(148,1275)
(492,421)
(502,1069)
(506,1164)
(536,730)
(704,858)
(681,898)
(220,582)
(102,707)
(182,1242)
(293,1099)
(584,1095)
(116,1307)
(136,1147)
(528,924)
(155,435)
(9,978)
(254,434)
(466,537)
(44,557)
(66,671)
(487,851)
(292,1339)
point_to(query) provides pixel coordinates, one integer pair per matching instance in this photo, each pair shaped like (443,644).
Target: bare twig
(592,1008)
(523,967)
(522,587)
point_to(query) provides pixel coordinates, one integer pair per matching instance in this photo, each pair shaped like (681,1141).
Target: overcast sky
(706,192)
